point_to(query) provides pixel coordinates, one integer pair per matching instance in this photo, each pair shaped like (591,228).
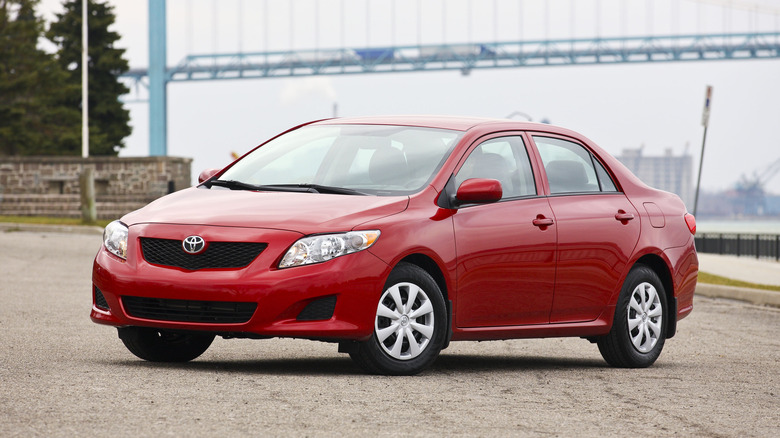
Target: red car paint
(539,266)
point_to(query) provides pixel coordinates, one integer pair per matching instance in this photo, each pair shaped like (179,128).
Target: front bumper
(281,295)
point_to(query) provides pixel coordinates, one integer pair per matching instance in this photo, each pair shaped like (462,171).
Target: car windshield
(364,159)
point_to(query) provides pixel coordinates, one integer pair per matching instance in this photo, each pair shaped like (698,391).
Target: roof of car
(459,123)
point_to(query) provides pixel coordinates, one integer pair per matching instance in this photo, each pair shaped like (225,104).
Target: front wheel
(164,346)
(639,329)
(409,326)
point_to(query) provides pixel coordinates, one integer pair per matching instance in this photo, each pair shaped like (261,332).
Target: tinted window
(568,165)
(504,159)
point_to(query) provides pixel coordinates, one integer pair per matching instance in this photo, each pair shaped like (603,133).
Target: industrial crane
(751,198)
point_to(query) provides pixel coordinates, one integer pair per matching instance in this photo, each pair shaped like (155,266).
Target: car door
(598,228)
(505,250)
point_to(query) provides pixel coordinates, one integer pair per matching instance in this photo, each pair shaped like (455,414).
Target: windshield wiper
(319,188)
(299,188)
(238,185)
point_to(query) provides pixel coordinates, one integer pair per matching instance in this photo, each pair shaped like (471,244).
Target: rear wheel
(164,346)
(409,326)
(639,330)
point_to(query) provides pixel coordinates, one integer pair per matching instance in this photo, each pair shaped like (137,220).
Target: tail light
(691,222)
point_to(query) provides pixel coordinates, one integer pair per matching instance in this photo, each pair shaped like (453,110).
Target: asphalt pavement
(62,375)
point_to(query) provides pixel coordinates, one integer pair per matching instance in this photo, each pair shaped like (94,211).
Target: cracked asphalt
(62,375)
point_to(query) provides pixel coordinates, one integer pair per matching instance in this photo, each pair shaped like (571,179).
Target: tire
(639,330)
(410,325)
(164,346)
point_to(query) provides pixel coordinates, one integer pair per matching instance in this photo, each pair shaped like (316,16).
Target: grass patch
(45,220)
(705,277)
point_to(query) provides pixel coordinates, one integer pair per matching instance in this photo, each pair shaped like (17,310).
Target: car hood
(306,213)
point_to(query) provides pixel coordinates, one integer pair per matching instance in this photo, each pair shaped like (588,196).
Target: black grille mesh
(318,310)
(218,255)
(100,300)
(188,310)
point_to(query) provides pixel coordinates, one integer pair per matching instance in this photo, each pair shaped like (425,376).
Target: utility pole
(705,120)
(84,81)
(87,177)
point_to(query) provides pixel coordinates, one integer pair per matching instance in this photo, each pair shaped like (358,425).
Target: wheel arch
(430,266)
(659,266)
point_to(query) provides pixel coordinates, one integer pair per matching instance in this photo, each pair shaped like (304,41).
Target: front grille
(223,312)
(218,255)
(100,300)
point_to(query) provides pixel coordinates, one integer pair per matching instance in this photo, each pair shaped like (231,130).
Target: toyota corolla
(392,236)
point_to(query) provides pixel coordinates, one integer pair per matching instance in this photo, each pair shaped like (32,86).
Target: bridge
(464,57)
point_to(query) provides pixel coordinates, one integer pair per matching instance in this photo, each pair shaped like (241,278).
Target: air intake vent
(318,310)
(218,255)
(100,300)
(221,312)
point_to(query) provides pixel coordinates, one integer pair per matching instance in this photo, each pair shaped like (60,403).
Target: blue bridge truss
(439,57)
(466,57)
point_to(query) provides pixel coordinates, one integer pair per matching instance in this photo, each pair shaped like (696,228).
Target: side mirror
(207,174)
(478,191)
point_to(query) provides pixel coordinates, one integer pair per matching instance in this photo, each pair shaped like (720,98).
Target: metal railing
(740,244)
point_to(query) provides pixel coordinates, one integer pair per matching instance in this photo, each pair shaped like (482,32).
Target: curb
(43,228)
(754,296)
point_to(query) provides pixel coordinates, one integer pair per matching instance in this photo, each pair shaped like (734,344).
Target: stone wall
(49,186)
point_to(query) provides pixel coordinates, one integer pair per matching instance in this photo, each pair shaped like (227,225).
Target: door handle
(542,221)
(622,216)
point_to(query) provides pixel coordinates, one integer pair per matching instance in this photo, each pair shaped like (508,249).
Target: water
(738,226)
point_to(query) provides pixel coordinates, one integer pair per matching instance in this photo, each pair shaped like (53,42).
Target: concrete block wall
(49,186)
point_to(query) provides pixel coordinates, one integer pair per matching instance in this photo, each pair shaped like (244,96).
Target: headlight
(115,239)
(317,249)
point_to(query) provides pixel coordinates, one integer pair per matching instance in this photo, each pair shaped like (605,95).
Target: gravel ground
(62,375)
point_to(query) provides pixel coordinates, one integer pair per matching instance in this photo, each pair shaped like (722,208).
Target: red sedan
(393,236)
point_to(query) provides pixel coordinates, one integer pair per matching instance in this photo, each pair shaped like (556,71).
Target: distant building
(666,172)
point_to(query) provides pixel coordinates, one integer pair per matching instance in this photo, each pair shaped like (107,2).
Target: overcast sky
(657,106)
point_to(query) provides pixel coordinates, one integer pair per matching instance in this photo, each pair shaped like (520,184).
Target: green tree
(34,119)
(109,121)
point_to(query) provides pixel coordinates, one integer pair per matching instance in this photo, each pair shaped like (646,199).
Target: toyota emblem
(193,245)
